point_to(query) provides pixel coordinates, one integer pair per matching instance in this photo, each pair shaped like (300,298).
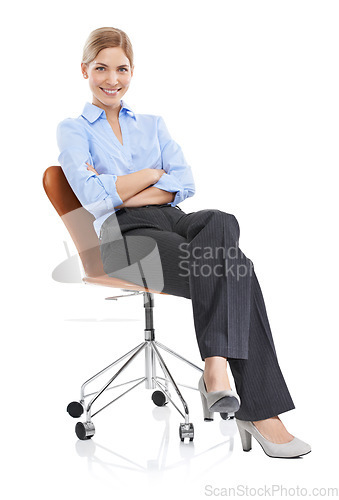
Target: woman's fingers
(91,168)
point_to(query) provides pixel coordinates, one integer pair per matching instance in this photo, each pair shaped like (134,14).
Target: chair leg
(103,389)
(86,430)
(186,430)
(150,368)
(101,372)
(168,374)
(165,348)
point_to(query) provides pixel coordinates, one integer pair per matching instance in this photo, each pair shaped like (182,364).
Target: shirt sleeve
(178,176)
(96,193)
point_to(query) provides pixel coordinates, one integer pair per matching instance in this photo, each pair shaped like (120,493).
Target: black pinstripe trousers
(197,256)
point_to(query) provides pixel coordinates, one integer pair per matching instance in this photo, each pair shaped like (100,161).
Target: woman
(128,172)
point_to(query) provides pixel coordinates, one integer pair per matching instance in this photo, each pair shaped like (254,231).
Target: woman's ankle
(215,374)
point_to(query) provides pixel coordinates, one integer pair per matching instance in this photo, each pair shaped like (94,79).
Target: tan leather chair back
(76,218)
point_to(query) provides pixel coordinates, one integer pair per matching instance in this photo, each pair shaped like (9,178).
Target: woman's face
(109,77)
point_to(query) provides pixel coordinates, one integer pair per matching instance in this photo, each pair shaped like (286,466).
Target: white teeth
(110,91)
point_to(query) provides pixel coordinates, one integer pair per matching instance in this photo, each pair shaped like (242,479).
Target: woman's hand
(91,168)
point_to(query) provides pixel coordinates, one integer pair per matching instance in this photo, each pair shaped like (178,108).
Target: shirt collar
(92,112)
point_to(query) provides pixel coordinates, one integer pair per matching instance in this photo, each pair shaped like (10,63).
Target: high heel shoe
(226,401)
(292,449)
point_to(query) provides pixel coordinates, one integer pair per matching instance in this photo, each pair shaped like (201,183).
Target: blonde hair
(102,38)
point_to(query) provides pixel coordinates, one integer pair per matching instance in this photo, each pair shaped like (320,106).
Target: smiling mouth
(110,92)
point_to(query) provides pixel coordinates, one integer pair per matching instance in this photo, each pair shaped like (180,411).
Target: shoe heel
(208,415)
(246,439)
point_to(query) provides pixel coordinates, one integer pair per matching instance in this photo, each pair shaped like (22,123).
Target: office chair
(79,223)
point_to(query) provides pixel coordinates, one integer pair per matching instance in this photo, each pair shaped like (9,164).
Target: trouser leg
(258,379)
(220,282)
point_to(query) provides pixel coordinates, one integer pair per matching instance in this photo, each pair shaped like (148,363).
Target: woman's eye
(99,68)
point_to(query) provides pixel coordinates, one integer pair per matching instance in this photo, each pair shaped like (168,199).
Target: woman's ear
(84,70)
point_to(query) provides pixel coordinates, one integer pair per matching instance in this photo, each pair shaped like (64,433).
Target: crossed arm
(136,189)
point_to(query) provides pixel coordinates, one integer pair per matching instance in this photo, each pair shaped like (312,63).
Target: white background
(249,89)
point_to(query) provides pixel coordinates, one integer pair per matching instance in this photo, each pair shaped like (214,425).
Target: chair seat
(106,280)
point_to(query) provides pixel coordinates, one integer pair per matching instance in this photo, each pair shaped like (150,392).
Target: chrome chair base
(161,396)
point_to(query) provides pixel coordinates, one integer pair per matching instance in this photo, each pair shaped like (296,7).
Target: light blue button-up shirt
(146,144)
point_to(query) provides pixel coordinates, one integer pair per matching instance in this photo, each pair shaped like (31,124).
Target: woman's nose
(112,78)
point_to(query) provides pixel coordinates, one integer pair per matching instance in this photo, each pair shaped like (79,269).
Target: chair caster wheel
(84,430)
(227,416)
(186,431)
(159,398)
(75,409)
